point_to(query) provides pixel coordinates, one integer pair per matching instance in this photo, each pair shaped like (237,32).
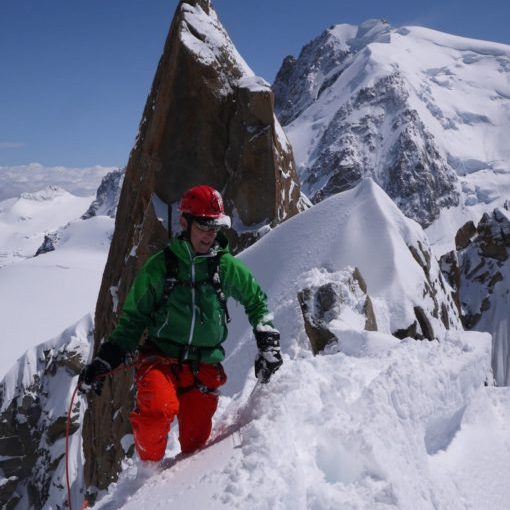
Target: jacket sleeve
(141,300)
(239,283)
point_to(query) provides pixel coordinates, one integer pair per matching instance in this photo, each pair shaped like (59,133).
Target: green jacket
(193,315)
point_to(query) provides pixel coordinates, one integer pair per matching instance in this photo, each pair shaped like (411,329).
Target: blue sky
(75,74)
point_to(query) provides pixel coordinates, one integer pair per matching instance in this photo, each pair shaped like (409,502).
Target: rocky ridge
(479,272)
(34,400)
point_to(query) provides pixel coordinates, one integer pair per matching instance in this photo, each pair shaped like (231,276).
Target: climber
(179,296)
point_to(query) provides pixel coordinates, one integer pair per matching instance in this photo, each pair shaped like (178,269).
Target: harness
(175,366)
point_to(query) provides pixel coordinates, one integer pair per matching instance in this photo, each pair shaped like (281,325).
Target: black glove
(93,375)
(269,357)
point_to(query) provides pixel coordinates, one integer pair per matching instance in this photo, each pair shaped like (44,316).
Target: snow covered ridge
(423,113)
(373,422)
(359,228)
(387,424)
(34,399)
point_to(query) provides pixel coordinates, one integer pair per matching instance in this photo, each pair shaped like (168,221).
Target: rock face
(49,243)
(340,293)
(209,120)
(479,271)
(107,196)
(356,104)
(34,400)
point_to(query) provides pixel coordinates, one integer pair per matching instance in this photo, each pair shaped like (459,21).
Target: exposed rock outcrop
(479,272)
(107,196)
(49,243)
(208,119)
(327,302)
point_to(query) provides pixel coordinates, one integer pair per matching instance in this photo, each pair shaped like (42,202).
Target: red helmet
(204,202)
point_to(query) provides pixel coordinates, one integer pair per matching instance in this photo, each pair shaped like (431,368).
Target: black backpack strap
(171,265)
(214,275)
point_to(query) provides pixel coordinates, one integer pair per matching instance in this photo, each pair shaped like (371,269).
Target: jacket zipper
(193,303)
(193,298)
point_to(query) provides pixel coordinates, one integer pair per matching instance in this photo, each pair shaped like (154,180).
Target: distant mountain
(41,295)
(107,196)
(425,114)
(33,177)
(24,221)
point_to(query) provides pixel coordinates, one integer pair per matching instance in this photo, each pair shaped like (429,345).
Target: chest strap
(171,280)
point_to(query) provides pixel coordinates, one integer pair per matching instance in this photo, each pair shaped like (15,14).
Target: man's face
(202,237)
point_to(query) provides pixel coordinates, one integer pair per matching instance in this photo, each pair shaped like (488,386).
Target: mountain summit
(425,114)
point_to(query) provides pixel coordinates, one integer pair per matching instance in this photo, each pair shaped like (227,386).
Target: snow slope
(40,296)
(372,423)
(369,429)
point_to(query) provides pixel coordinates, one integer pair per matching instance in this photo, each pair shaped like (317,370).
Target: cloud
(15,180)
(11,145)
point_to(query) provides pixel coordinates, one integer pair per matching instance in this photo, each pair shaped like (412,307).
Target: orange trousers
(166,389)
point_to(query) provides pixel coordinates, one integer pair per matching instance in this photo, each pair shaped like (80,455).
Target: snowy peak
(371,31)
(202,34)
(48,193)
(424,114)
(300,82)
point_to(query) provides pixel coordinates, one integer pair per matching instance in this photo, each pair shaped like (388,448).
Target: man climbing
(179,297)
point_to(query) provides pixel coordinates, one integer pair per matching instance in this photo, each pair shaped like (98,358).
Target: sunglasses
(204,227)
